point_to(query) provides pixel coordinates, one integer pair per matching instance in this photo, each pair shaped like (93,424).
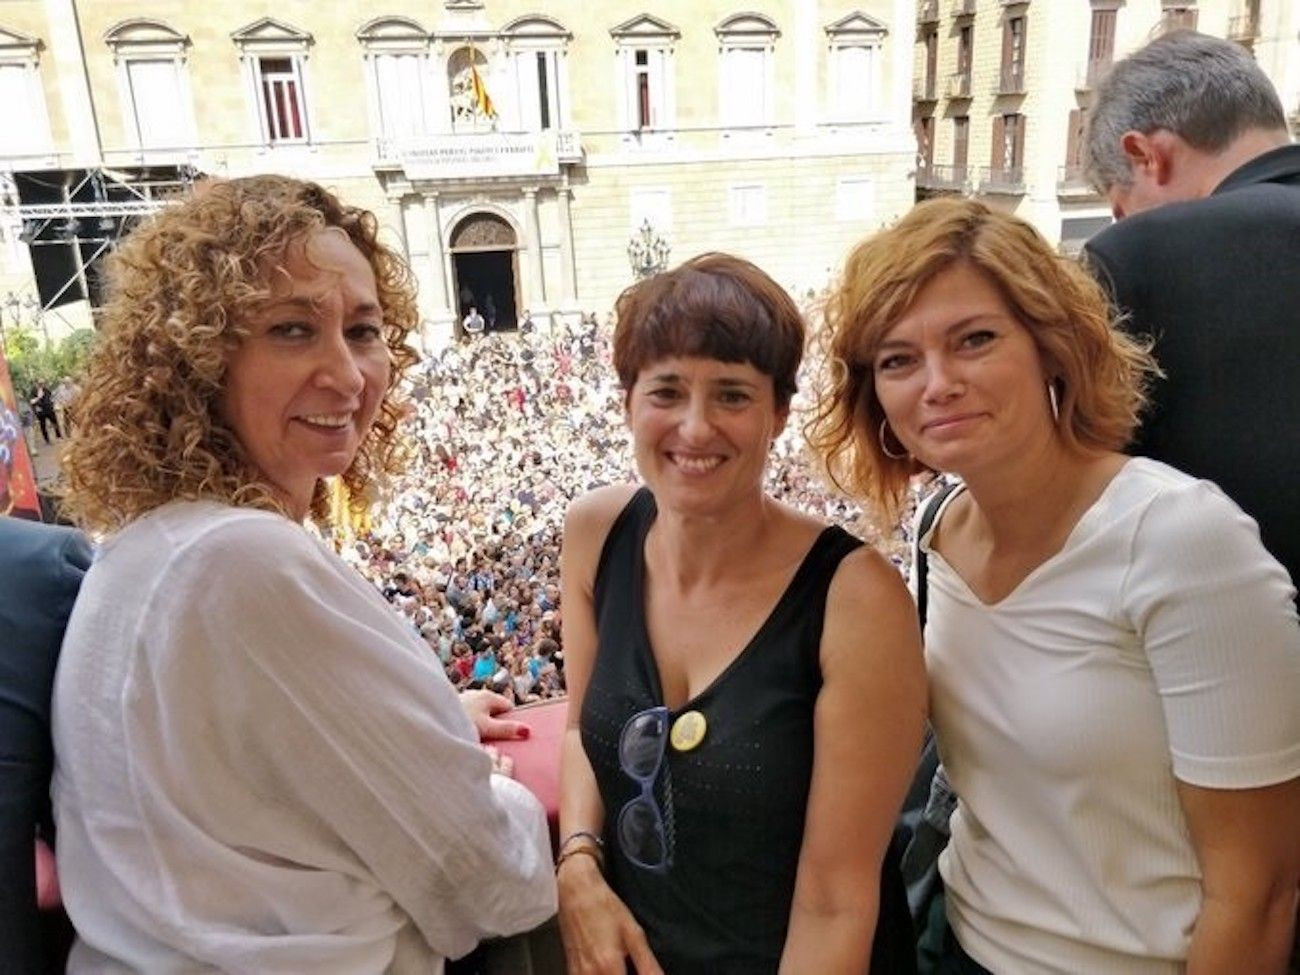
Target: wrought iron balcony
(568,146)
(923,89)
(963,8)
(1002,179)
(1243,28)
(955,178)
(1089,73)
(1071,181)
(959,84)
(927,12)
(1011,80)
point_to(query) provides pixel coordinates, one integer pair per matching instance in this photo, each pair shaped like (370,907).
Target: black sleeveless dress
(732,807)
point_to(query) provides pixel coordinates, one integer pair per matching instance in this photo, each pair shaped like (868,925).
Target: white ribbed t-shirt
(1161,642)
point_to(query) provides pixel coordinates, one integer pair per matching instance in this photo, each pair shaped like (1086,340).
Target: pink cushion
(537,757)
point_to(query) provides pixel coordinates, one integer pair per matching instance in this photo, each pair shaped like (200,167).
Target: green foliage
(31,360)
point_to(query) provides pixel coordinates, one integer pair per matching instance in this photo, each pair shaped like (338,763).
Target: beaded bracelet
(579,834)
(589,851)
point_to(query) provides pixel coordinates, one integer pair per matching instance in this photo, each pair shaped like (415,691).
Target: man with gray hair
(1188,141)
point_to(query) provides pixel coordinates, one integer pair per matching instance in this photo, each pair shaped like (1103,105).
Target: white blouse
(259,768)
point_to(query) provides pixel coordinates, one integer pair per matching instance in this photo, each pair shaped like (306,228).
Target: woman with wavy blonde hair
(1114,659)
(258,767)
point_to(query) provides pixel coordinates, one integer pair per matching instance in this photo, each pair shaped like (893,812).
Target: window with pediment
(275,75)
(646,82)
(157,107)
(26,128)
(537,49)
(399,78)
(746,43)
(856,45)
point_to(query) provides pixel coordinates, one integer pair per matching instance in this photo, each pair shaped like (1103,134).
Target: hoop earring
(884,447)
(1054,402)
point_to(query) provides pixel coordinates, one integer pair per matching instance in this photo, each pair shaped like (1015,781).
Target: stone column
(807,109)
(533,229)
(67,54)
(568,270)
(441,326)
(437,257)
(902,40)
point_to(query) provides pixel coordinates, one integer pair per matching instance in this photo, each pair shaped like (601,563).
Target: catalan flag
(482,100)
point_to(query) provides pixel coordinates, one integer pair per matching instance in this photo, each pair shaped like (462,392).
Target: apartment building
(1001,91)
(537,155)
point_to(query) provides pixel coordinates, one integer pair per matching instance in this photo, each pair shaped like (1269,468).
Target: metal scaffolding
(98,206)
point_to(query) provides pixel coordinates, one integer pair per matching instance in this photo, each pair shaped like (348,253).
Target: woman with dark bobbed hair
(1114,658)
(746,690)
(260,768)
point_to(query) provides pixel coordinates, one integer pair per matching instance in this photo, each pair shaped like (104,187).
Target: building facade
(1001,91)
(519,156)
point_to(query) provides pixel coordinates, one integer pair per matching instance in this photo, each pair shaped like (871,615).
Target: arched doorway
(483,257)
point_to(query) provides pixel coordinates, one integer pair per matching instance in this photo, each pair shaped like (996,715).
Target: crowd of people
(507,429)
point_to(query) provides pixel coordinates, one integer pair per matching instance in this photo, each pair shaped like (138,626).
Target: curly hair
(715,306)
(1100,372)
(180,287)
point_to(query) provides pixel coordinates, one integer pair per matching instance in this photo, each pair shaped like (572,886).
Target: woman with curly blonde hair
(1114,659)
(258,767)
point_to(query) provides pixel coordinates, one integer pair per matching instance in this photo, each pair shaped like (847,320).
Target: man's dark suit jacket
(1216,283)
(41,567)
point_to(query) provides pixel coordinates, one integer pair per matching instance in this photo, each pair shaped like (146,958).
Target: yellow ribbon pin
(688,731)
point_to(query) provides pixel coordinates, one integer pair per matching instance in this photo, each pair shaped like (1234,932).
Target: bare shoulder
(865,579)
(593,513)
(870,614)
(586,525)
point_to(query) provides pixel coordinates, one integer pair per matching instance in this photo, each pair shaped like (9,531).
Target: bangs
(693,313)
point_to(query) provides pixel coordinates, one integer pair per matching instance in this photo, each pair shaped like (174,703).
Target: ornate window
(539,72)
(26,128)
(275,68)
(473,105)
(646,84)
(399,82)
(745,70)
(157,107)
(856,67)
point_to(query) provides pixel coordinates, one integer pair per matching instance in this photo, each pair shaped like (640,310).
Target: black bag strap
(920,841)
(921,561)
